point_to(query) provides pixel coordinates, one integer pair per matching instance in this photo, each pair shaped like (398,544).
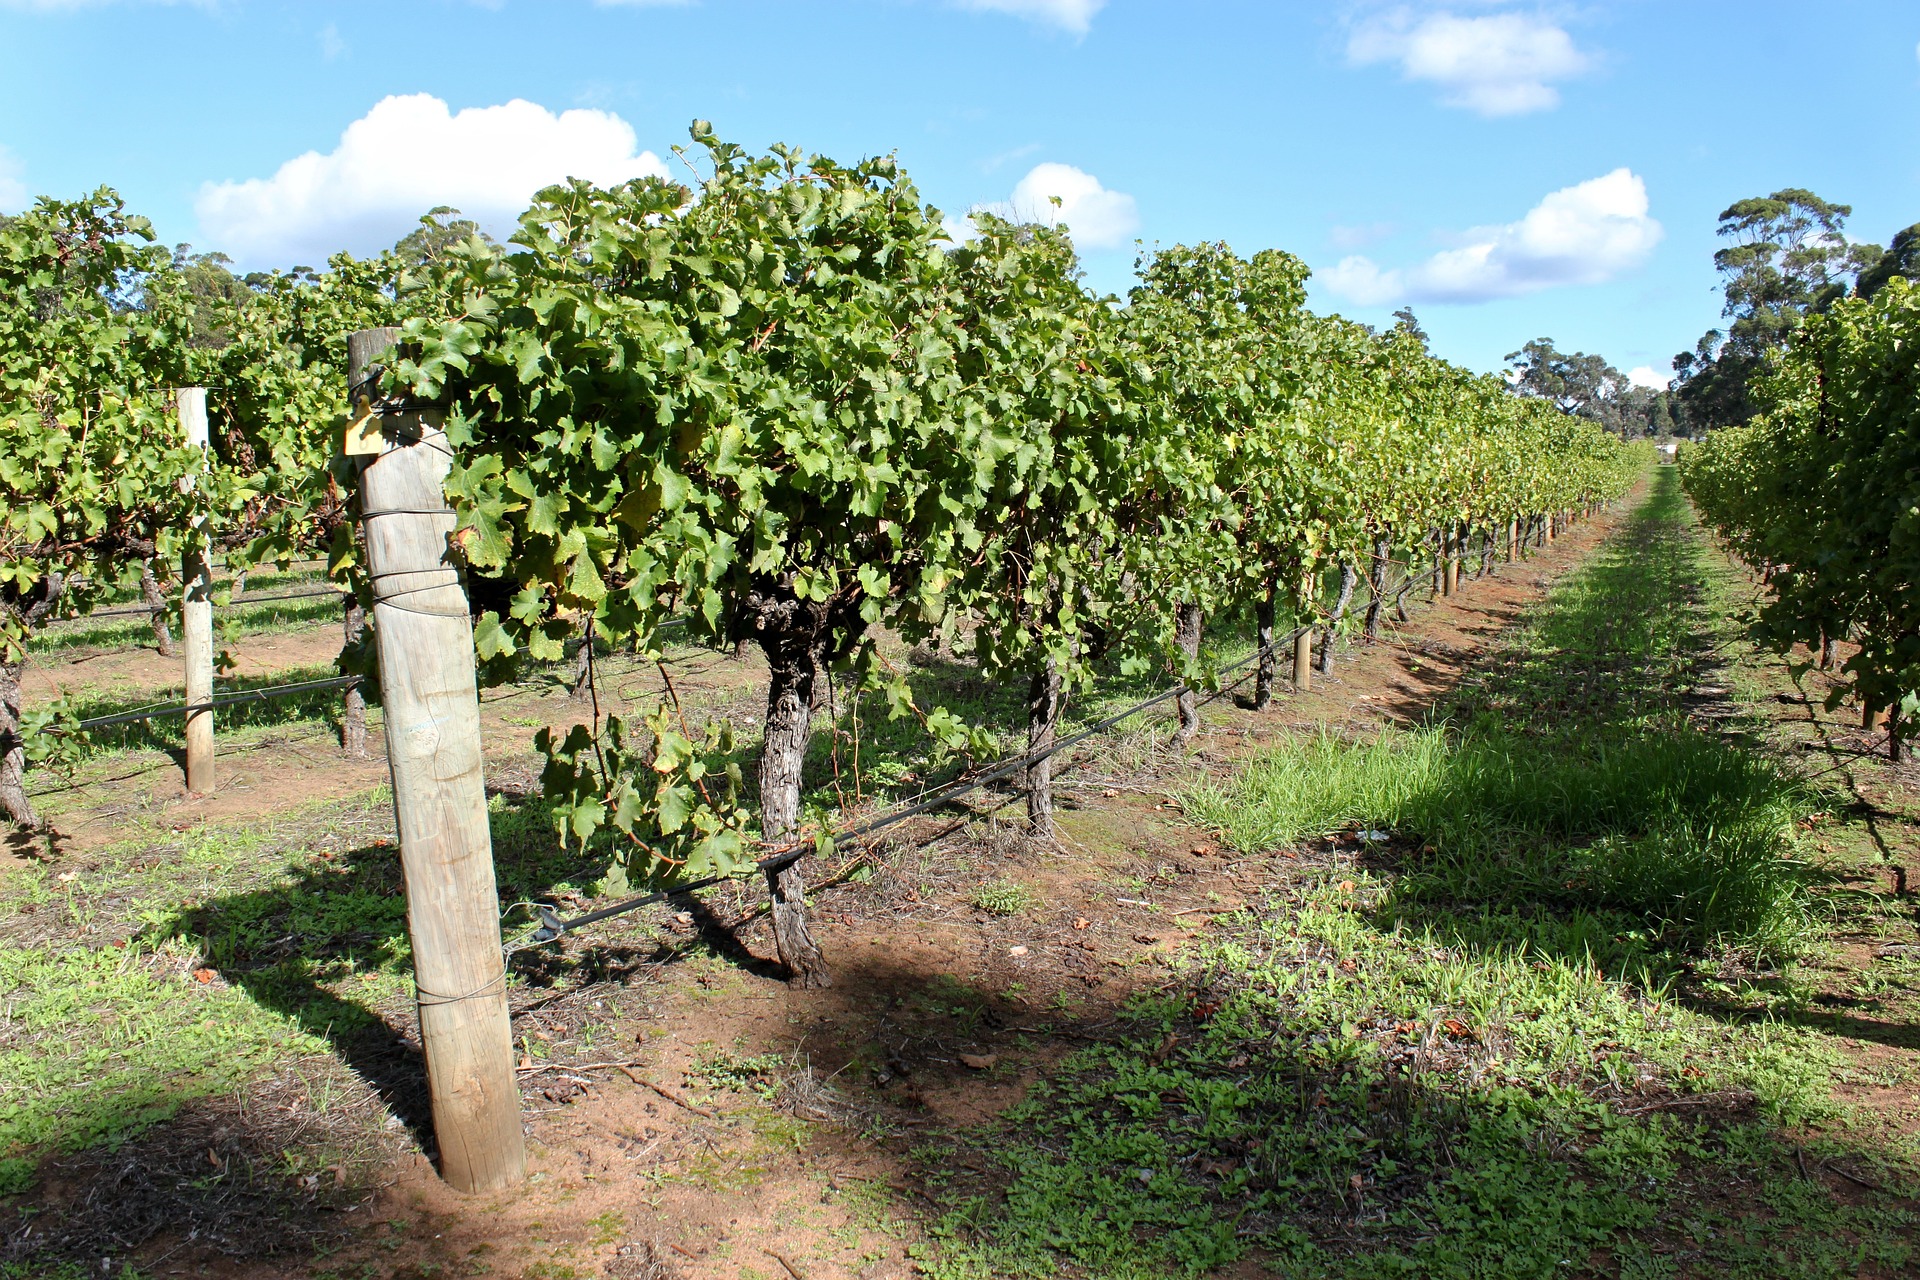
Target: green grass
(1003,898)
(1457,1043)
(167,973)
(1674,840)
(243,617)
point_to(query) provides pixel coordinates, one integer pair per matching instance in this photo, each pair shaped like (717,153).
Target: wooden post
(196,608)
(1513,539)
(424,638)
(1303,643)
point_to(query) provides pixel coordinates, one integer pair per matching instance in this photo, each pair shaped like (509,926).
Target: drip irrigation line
(225,700)
(553,925)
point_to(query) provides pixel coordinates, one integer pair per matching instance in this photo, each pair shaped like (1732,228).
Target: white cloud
(1584,234)
(1359,237)
(13,187)
(1008,157)
(1071,15)
(1649,377)
(1500,64)
(331,43)
(405,156)
(1097,218)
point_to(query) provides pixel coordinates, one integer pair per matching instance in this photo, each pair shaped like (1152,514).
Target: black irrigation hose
(552,926)
(226,700)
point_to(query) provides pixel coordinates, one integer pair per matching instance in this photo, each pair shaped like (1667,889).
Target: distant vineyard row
(1822,491)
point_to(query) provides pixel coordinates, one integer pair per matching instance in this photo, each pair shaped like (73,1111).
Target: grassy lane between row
(1463,1038)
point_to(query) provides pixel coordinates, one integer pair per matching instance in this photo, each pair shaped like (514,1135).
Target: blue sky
(1511,170)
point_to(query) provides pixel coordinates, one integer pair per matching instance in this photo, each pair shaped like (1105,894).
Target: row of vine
(782,405)
(1822,491)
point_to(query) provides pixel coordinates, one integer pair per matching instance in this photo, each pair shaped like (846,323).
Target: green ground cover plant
(1455,1042)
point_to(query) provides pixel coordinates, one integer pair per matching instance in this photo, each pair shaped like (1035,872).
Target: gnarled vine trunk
(1043,726)
(1377,585)
(800,638)
(1265,664)
(156,601)
(13,745)
(1186,635)
(1349,576)
(353,715)
(582,689)
(13,751)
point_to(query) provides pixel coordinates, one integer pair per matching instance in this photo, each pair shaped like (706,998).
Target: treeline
(1787,256)
(787,408)
(1821,491)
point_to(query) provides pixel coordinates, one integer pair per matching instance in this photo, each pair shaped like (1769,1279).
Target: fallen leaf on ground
(1081,922)
(203,975)
(1016,951)
(979,1061)
(1455,1027)
(1144,938)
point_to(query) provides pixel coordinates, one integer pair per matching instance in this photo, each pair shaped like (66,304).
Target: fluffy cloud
(1651,378)
(1500,64)
(1098,218)
(1584,234)
(1071,15)
(404,157)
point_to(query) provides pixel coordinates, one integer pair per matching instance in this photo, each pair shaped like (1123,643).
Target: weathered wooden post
(1513,539)
(196,609)
(424,639)
(1303,642)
